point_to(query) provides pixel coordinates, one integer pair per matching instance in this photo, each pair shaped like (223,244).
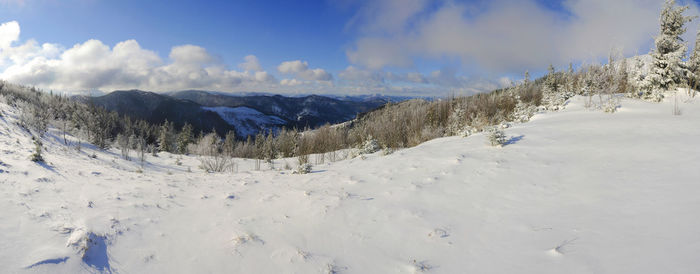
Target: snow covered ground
(575,191)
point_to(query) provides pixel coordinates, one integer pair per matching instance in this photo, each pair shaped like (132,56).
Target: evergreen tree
(527,77)
(668,70)
(165,136)
(694,64)
(551,83)
(185,138)
(230,143)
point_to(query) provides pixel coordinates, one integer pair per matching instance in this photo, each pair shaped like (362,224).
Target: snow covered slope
(247,121)
(575,191)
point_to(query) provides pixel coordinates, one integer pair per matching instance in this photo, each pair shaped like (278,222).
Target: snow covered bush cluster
(370,146)
(496,137)
(303,169)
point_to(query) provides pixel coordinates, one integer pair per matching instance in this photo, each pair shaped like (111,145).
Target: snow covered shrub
(523,112)
(496,137)
(387,150)
(216,163)
(370,146)
(303,169)
(38,147)
(211,157)
(610,106)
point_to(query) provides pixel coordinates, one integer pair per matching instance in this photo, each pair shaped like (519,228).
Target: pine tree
(527,78)
(184,138)
(164,139)
(668,70)
(694,64)
(230,143)
(551,83)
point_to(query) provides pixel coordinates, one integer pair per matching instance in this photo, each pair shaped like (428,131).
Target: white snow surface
(574,191)
(247,121)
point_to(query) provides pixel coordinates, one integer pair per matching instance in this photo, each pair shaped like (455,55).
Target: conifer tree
(230,143)
(184,138)
(694,64)
(667,70)
(527,77)
(164,139)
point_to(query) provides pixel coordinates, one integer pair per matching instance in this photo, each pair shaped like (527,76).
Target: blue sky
(426,47)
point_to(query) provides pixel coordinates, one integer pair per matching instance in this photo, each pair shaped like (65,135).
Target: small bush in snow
(610,106)
(216,163)
(370,146)
(496,137)
(36,156)
(387,151)
(303,169)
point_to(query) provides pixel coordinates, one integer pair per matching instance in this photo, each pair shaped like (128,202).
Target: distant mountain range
(247,114)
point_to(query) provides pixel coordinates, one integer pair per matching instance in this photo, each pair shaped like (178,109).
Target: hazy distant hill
(246,114)
(156,108)
(311,110)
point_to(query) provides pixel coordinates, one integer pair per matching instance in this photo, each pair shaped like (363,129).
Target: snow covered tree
(638,81)
(668,70)
(124,146)
(569,81)
(38,147)
(551,83)
(230,143)
(527,78)
(185,138)
(694,64)
(622,78)
(165,137)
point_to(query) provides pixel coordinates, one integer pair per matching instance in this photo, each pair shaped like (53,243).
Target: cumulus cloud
(251,64)
(92,65)
(301,70)
(291,82)
(441,82)
(503,36)
(9,32)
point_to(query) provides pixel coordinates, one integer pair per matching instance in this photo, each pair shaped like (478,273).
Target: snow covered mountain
(207,110)
(248,121)
(157,108)
(312,111)
(574,191)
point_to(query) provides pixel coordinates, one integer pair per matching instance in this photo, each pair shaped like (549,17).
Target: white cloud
(92,65)
(438,83)
(291,82)
(9,32)
(291,67)
(301,70)
(251,64)
(503,36)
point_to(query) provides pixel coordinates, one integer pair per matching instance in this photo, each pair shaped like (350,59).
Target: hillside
(247,115)
(574,191)
(312,110)
(156,108)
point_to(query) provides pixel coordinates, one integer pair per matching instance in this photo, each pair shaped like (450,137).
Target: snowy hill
(575,191)
(248,121)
